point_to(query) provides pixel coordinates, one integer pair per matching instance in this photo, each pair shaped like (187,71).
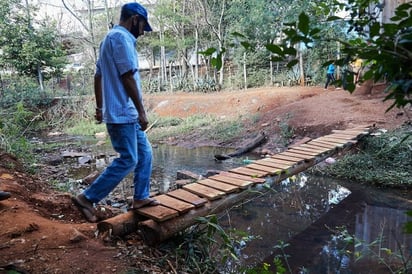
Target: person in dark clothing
(330,75)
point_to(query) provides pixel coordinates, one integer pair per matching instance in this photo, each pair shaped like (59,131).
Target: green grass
(384,160)
(85,128)
(207,126)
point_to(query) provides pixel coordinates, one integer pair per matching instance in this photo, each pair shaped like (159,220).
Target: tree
(384,47)
(30,48)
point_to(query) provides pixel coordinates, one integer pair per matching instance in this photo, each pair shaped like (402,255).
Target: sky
(65,20)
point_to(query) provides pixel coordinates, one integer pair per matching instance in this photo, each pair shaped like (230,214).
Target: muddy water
(303,212)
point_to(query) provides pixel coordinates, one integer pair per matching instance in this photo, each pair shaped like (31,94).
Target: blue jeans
(135,154)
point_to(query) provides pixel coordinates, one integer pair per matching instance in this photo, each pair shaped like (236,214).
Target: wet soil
(41,231)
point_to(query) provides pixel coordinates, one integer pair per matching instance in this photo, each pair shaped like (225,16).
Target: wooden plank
(304,152)
(272,163)
(320,144)
(249,172)
(336,140)
(312,148)
(241,183)
(318,147)
(280,161)
(176,204)
(318,150)
(296,154)
(188,197)
(158,213)
(204,191)
(287,158)
(270,170)
(242,177)
(227,188)
(343,136)
(332,140)
(327,143)
(351,132)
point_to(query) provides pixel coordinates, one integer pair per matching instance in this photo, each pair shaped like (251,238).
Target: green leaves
(303,23)
(275,49)
(216,56)
(29,46)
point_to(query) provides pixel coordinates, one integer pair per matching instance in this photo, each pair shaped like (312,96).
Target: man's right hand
(143,122)
(98,116)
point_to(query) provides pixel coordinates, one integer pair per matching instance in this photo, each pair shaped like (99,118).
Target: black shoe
(4,195)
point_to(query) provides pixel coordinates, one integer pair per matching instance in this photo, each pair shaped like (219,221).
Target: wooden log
(261,138)
(187,175)
(122,224)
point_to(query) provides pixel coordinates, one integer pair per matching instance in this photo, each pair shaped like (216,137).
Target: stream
(306,222)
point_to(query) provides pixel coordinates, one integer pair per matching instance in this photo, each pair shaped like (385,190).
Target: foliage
(286,131)
(199,246)
(385,48)
(27,111)
(15,124)
(408,225)
(29,47)
(395,261)
(384,160)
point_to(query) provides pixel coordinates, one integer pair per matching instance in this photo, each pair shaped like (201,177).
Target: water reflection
(280,214)
(318,230)
(167,161)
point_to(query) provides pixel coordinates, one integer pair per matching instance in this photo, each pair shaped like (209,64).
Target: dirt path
(309,111)
(41,232)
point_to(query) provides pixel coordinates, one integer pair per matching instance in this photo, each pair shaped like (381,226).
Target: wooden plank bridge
(179,208)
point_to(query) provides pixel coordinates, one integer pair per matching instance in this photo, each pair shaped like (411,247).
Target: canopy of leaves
(28,46)
(384,48)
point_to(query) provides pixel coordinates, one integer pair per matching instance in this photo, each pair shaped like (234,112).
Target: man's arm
(130,86)
(98,97)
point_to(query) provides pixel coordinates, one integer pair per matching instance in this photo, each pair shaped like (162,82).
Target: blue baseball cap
(136,8)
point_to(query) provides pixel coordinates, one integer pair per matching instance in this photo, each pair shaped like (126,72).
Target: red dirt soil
(41,231)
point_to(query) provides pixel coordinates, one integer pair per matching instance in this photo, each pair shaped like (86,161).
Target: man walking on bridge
(119,104)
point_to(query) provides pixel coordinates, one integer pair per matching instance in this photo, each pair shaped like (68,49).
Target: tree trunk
(302,73)
(196,75)
(244,70)
(271,72)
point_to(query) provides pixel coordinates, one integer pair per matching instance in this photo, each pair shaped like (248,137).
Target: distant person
(330,75)
(119,104)
(357,69)
(4,195)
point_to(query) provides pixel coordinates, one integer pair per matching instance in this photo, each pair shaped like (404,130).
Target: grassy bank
(383,160)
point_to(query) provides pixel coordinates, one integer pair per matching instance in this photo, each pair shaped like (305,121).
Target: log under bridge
(180,208)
